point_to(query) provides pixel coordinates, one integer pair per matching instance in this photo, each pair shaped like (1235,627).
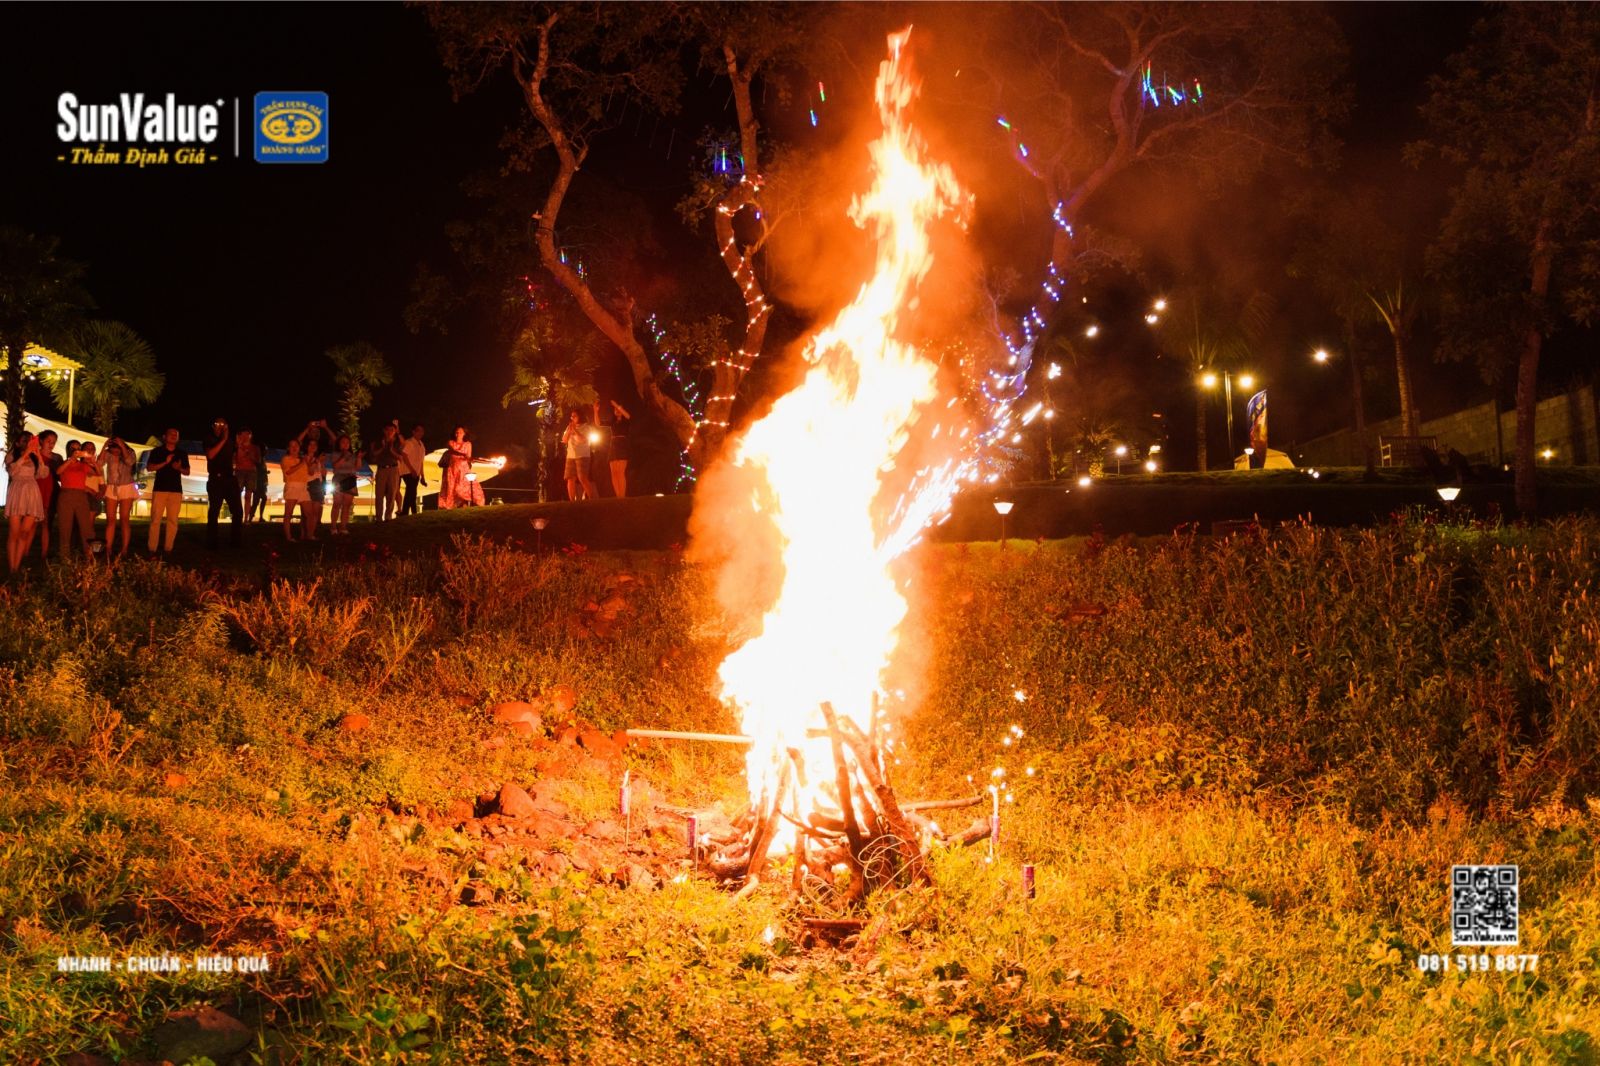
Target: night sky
(241,274)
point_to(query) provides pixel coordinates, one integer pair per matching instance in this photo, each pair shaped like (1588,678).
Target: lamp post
(538,534)
(1208,380)
(1121,452)
(1002,508)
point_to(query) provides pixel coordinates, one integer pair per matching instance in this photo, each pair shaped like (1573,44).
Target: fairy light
(1188,93)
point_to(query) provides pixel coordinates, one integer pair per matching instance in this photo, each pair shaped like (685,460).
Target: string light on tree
(1189,93)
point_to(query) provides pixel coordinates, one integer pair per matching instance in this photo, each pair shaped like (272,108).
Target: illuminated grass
(1253,769)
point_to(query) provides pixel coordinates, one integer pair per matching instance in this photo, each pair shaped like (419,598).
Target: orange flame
(819,460)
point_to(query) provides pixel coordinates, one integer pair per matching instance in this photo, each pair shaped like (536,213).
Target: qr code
(1483,905)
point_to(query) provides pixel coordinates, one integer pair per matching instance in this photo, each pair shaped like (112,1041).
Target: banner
(1256,409)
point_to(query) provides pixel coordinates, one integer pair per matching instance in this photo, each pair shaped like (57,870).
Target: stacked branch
(866,832)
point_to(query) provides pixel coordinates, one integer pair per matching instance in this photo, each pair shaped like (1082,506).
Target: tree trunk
(1408,401)
(541,465)
(1200,430)
(1528,372)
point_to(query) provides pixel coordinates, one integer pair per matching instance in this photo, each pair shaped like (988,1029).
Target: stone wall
(1568,424)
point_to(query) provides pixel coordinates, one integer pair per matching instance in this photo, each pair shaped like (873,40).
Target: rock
(521,728)
(513,802)
(599,744)
(585,856)
(600,829)
(461,810)
(637,877)
(544,799)
(563,698)
(175,779)
(567,735)
(515,712)
(612,606)
(554,864)
(200,1032)
(354,723)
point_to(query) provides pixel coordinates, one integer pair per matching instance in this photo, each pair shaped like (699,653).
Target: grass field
(1253,759)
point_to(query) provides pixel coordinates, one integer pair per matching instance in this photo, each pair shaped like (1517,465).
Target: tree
(568,61)
(119,370)
(1519,251)
(1214,331)
(1211,92)
(1365,261)
(40,295)
(550,379)
(358,369)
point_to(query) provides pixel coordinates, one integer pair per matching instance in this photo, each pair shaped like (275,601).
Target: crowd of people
(70,489)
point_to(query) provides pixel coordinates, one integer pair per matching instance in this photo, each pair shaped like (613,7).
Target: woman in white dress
(24,504)
(295,494)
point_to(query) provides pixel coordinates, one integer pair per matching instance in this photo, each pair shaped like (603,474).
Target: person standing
(222,484)
(412,457)
(580,451)
(455,488)
(316,464)
(51,463)
(384,456)
(72,508)
(24,505)
(246,458)
(345,464)
(117,464)
(614,421)
(168,463)
(295,493)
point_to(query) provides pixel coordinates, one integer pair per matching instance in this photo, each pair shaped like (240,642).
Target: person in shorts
(578,438)
(117,464)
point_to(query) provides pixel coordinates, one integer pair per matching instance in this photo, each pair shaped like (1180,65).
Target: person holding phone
(222,484)
(169,463)
(117,465)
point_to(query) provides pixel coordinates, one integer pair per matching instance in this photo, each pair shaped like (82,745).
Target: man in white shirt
(580,447)
(412,455)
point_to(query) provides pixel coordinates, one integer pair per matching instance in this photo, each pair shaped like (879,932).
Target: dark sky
(241,274)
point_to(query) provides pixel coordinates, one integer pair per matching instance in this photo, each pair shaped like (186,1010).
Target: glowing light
(1161,304)
(1208,381)
(1247,381)
(1152,318)
(594,436)
(1150,466)
(1002,506)
(1054,371)
(1448,493)
(1120,451)
(1092,331)
(1320,355)
(1085,481)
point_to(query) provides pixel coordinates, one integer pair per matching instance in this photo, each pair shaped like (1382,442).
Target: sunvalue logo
(291,127)
(138,130)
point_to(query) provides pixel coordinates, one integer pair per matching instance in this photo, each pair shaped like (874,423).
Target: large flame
(820,462)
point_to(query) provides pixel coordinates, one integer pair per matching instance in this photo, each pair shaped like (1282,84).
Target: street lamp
(1208,380)
(1448,493)
(538,534)
(1320,355)
(1121,452)
(1002,508)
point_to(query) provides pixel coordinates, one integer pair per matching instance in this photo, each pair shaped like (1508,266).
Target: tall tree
(358,369)
(569,61)
(119,370)
(1361,249)
(1212,92)
(1519,252)
(41,294)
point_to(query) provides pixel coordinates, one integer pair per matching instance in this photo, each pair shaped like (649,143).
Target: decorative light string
(1188,93)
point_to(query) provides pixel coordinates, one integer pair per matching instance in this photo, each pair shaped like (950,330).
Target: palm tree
(119,370)
(550,380)
(40,293)
(1398,309)
(1218,331)
(358,369)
